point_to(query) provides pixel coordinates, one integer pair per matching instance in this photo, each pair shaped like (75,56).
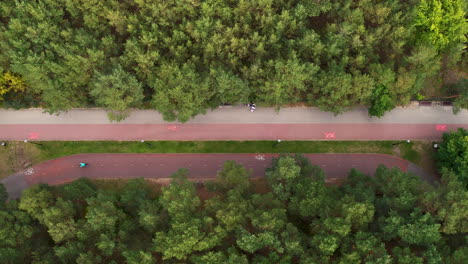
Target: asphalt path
(200,166)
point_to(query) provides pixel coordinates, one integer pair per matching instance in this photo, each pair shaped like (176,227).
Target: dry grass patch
(260,185)
(17,156)
(4,165)
(427,159)
(118,185)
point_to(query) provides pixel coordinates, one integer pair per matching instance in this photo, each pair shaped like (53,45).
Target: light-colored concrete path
(200,166)
(234,123)
(241,115)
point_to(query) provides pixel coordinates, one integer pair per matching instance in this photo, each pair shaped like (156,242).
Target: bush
(453,153)
(381,101)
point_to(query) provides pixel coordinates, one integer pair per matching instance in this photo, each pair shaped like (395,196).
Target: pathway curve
(200,166)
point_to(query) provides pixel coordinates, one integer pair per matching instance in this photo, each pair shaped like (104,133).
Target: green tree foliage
(187,232)
(22,239)
(461,102)
(179,198)
(11,83)
(59,219)
(451,203)
(292,177)
(17,229)
(392,217)
(133,195)
(281,178)
(117,91)
(381,101)
(416,229)
(138,257)
(3,195)
(183,58)
(15,93)
(233,176)
(34,200)
(441,22)
(288,81)
(370,248)
(230,207)
(180,92)
(150,215)
(453,153)
(229,88)
(78,191)
(405,256)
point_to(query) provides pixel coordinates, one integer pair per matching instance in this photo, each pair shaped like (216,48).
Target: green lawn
(409,152)
(53,149)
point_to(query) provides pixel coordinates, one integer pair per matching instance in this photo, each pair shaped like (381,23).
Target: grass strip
(55,149)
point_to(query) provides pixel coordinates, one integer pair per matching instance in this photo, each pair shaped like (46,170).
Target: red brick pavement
(225,132)
(65,169)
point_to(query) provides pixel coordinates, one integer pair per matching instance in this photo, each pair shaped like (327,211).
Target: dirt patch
(453,75)
(160,181)
(17,156)
(204,194)
(433,87)
(427,161)
(335,181)
(113,184)
(436,86)
(298,104)
(396,151)
(260,185)
(4,165)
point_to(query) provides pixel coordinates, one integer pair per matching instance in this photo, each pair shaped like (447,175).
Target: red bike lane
(207,132)
(200,166)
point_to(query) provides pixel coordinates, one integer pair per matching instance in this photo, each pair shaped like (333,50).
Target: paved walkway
(234,123)
(241,115)
(227,132)
(230,123)
(200,166)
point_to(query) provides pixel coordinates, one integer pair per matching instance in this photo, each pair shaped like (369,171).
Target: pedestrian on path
(252,107)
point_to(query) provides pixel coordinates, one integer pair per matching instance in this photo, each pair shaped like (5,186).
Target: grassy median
(17,154)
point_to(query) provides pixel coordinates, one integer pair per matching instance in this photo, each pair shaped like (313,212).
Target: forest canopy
(182,57)
(392,217)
